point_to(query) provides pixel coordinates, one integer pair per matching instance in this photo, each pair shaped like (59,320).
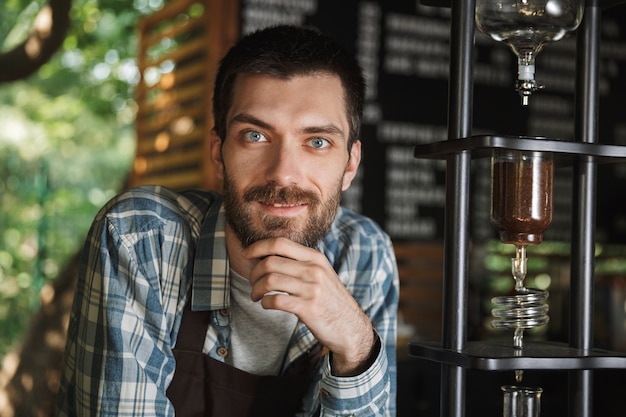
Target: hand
(307,286)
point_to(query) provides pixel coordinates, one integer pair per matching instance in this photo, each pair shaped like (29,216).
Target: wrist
(346,367)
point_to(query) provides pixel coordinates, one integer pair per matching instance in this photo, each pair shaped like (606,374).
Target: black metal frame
(454,353)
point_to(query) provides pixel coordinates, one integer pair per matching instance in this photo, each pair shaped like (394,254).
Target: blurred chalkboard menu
(403,47)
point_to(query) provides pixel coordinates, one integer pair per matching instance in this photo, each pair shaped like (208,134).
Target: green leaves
(67,144)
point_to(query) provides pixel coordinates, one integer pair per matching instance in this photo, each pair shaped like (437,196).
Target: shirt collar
(211,280)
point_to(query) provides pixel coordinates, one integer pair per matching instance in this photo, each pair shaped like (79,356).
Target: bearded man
(268,299)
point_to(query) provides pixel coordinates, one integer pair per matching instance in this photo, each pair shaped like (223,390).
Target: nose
(285,164)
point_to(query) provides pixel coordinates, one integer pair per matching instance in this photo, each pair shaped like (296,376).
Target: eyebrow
(329,129)
(247,118)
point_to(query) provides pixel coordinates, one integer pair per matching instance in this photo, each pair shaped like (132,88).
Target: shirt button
(222,351)
(324,393)
(224,312)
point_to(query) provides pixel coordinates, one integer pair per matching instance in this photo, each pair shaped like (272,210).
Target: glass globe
(526,26)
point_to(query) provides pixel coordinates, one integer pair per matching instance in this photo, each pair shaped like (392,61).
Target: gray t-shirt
(259,337)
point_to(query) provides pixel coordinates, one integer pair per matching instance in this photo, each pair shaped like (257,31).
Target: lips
(284,205)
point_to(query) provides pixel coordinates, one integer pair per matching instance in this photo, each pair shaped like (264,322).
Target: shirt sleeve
(375,286)
(359,396)
(119,358)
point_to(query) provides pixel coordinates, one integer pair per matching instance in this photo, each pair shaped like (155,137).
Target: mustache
(273,194)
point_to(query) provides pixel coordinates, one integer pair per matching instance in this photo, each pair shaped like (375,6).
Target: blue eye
(319,143)
(255,136)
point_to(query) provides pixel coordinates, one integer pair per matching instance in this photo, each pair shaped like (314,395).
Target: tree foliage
(66,146)
(44,38)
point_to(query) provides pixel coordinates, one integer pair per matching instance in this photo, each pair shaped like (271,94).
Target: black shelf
(502,356)
(487,145)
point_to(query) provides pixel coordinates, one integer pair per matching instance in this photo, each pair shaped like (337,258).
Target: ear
(215,144)
(353,165)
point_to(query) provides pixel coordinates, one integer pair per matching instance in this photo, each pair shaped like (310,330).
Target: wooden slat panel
(178,180)
(165,156)
(146,147)
(420,269)
(172,30)
(171,101)
(169,161)
(164,100)
(180,75)
(161,121)
(418,251)
(426,272)
(167,13)
(185,50)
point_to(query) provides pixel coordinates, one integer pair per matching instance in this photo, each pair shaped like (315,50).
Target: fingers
(283,266)
(280,247)
(277,273)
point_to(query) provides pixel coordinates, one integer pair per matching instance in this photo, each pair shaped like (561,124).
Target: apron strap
(205,387)
(193,328)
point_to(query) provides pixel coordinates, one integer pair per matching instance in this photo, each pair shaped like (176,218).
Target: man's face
(285,160)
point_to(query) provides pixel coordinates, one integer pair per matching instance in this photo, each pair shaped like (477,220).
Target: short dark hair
(284,51)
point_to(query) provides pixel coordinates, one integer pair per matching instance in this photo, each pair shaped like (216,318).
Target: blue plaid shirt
(146,249)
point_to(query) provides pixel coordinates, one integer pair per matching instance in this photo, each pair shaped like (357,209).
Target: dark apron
(203,386)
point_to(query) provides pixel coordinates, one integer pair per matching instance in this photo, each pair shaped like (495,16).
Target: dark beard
(239,216)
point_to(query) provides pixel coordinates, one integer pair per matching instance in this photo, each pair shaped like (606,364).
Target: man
(271,300)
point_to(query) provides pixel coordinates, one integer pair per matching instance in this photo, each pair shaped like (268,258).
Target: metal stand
(454,353)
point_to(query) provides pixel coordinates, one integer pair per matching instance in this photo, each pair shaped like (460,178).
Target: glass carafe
(521,401)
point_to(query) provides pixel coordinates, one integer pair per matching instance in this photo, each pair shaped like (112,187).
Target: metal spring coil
(524,310)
